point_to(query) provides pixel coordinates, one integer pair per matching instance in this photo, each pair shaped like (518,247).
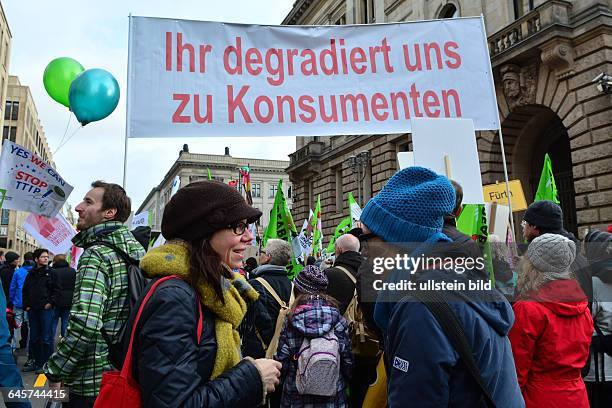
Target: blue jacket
(16,289)
(422,366)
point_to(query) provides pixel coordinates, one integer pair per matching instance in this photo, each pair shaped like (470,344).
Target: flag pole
(501,136)
(127,104)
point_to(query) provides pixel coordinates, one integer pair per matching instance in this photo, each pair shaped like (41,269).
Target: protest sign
(54,233)
(498,216)
(31,184)
(496,193)
(224,79)
(141,220)
(455,140)
(405,159)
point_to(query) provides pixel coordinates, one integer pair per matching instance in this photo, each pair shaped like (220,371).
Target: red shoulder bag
(118,388)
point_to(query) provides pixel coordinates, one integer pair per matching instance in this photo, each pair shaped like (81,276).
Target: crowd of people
(214,328)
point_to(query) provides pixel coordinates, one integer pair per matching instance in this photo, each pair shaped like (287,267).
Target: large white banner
(54,234)
(192,78)
(31,183)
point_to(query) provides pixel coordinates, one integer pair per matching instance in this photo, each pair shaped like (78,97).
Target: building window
(15,112)
(339,204)
(7,110)
(5,217)
(272,191)
(367,11)
(449,11)
(341,20)
(256,190)
(289,191)
(5,133)
(13,134)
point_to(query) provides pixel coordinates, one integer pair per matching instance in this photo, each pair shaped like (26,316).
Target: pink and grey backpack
(318,366)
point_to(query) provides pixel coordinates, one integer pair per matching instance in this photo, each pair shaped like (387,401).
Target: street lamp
(358,165)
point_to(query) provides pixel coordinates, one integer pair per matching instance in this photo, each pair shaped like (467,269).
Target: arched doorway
(529,133)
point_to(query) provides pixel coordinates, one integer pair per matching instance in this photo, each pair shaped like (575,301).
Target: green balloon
(58,76)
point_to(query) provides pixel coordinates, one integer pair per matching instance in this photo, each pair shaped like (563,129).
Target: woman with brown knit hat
(186,349)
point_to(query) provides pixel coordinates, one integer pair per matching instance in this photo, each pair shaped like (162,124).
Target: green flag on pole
(346,224)
(317,233)
(281,224)
(209,174)
(547,189)
(473,222)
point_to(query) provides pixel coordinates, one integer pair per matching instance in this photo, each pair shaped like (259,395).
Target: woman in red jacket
(553,326)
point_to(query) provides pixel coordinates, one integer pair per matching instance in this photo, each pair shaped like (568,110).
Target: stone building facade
(22,126)
(190,167)
(544,55)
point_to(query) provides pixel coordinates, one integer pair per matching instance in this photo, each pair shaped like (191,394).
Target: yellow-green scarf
(173,259)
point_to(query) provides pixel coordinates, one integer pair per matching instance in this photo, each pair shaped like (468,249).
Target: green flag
(547,189)
(209,175)
(317,233)
(473,222)
(346,224)
(281,224)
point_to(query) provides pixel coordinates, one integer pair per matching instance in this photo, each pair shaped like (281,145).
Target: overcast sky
(95,34)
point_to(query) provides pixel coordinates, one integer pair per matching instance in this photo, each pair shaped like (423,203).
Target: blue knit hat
(410,207)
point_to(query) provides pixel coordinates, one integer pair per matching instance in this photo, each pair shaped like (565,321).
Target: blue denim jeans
(62,313)
(9,375)
(41,334)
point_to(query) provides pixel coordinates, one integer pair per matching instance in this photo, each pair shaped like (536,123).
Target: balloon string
(67,140)
(66,130)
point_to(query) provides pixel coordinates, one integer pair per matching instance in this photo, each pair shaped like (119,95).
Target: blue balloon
(94,95)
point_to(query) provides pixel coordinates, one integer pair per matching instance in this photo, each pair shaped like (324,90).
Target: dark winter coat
(40,287)
(313,319)
(424,369)
(6,275)
(340,286)
(262,314)
(66,277)
(173,370)
(550,340)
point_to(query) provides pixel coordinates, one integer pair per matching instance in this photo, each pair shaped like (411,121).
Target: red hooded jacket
(550,342)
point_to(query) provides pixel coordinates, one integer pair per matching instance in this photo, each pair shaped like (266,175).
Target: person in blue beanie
(423,368)
(9,374)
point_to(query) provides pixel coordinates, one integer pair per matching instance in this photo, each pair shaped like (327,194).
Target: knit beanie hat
(11,256)
(199,209)
(551,253)
(311,280)
(545,214)
(410,207)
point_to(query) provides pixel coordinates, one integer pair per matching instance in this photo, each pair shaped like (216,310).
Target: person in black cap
(187,351)
(546,217)
(6,273)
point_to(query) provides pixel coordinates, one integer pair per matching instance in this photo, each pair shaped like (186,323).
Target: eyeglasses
(239,228)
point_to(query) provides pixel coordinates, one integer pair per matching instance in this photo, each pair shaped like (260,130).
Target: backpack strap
(126,258)
(272,292)
(448,321)
(126,369)
(347,273)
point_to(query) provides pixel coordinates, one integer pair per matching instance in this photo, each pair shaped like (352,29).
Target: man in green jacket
(100,292)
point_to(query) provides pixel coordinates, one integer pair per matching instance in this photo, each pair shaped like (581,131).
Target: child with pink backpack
(314,346)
